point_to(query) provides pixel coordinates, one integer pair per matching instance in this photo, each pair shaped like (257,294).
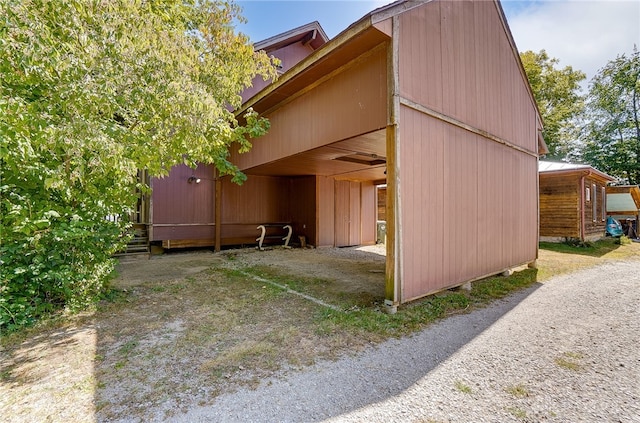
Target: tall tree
(557,92)
(90,92)
(612,136)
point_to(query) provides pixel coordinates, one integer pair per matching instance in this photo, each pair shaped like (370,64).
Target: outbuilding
(427,97)
(572,202)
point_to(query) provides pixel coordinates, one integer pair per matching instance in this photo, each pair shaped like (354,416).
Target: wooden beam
(218,213)
(391,294)
(455,122)
(393,268)
(186,243)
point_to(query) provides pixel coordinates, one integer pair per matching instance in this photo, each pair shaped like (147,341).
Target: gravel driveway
(565,351)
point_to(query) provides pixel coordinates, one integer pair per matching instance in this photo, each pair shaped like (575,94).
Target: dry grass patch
(570,361)
(518,391)
(561,258)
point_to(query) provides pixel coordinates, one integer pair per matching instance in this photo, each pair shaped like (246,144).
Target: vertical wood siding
(469,206)
(325,207)
(342,213)
(351,103)
(355,211)
(260,199)
(303,207)
(183,209)
(368,228)
(289,56)
(456,59)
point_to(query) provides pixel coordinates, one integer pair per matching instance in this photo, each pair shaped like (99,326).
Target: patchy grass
(561,258)
(592,249)
(462,387)
(375,325)
(517,391)
(518,413)
(570,361)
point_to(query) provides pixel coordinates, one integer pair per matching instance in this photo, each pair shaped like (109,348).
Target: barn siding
(351,103)
(469,204)
(469,207)
(456,59)
(325,205)
(182,210)
(289,56)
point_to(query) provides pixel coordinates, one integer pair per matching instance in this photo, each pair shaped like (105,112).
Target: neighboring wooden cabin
(429,97)
(572,202)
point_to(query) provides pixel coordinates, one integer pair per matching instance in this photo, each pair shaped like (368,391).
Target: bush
(51,261)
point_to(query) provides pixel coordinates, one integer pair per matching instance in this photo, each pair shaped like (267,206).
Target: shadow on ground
(196,340)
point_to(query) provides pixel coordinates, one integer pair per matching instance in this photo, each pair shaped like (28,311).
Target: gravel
(565,351)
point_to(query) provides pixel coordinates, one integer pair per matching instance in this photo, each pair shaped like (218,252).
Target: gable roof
(311,34)
(545,167)
(358,38)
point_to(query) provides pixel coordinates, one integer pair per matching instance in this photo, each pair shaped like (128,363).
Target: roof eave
(309,61)
(310,28)
(578,170)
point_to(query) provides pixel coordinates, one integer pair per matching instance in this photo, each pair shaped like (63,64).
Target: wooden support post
(393,264)
(218,213)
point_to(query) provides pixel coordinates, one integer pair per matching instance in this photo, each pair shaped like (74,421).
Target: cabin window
(594,204)
(604,203)
(587,194)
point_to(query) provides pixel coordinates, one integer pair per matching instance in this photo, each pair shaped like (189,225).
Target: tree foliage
(557,92)
(90,92)
(612,136)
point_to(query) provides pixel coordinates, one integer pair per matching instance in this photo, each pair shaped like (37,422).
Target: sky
(579,33)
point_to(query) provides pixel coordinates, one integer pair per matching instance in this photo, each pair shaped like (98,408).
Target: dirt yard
(186,327)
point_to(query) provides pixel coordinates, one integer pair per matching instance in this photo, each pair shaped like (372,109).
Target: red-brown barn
(429,97)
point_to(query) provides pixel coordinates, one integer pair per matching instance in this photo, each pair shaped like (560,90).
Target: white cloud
(581,34)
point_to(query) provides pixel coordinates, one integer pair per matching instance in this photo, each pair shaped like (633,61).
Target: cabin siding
(381,204)
(566,209)
(368,229)
(595,224)
(560,206)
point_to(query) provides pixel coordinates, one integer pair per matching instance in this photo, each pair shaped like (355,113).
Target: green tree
(557,92)
(612,136)
(90,92)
